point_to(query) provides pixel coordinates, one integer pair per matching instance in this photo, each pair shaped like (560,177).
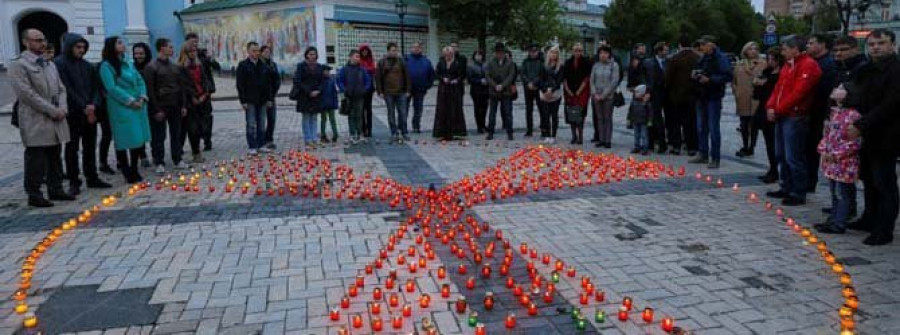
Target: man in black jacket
(531,70)
(165,88)
(265,55)
(819,48)
(654,74)
(876,94)
(82,99)
(254,92)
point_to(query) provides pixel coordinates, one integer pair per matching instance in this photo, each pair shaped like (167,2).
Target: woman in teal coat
(126,101)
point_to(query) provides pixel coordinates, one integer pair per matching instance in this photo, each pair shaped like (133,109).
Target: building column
(321,10)
(434,47)
(136,30)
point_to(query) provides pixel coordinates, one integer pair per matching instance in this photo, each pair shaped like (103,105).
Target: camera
(696,73)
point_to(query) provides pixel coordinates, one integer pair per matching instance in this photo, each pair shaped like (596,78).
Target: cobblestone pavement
(224,263)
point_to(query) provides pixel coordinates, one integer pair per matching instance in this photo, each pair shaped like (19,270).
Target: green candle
(576,312)
(600,317)
(473,319)
(581,324)
(554,277)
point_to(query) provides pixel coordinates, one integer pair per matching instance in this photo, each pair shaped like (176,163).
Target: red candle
(584,298)
(461,305)
(393,300)
(470,283)
(548,297)
(545,259)
(407,310)
(369,269)
(499,234)
(383,254)
(357,321)
(424,300)
(489,301)
(411,251)
(376,324)
(335,314)
(529,265)
(376,308)
(379,263)
(647,315)
(376,294)
(504,270)
(410,286)
(486,271)
(412,267)
(523,248)
(525,300)
(571,272)
(345,302)
(517,291)
(623,313)
(360,281)
(533,253)
(559,265)
(480,330)
(626,302)
(445,291)
(510,321)
(352,291)
(389,283)
(397,322)
(401,260)
(510,282)
(422,262)
(551,287)
(585,280)
(668,324)
(599,295)
(532,309)
(589,288)
(462,269)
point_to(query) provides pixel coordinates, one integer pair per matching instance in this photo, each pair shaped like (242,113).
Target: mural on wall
(288,32)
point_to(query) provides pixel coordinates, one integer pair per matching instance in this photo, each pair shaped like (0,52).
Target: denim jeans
(355,120)
(174,120)
(256,125)
(709,113)
(790,136)
(641,136)
(271,113)
(843,201)
(310,127)
(397,111)
(418,104)
(505,114)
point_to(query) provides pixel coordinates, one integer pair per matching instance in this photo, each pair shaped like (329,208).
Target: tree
(633,21)
(520,22)
(846,8)
(789,25)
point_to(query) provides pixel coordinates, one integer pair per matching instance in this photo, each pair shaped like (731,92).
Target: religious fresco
(289,32)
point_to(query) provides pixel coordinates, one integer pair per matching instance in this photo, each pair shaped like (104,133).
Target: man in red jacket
(789,107)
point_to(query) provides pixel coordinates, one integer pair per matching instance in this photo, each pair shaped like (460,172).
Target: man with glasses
(42,119)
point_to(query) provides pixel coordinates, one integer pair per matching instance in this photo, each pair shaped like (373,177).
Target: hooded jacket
(77,75)
(354,81)
(421,73)
(367,62)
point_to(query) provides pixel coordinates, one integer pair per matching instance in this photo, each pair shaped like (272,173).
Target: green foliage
(519,22)
(788,25)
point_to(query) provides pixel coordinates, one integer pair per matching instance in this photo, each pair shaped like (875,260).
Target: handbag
(618,99)
(345,106)
(574,114)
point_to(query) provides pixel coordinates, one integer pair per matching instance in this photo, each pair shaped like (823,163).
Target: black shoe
(878,240)
(778,194)
(98,184)
(608,145)
(323,139)
(510,136)
(579,142)
(793,201)
(489,137)
(645,152)
(860,225)
(573,141)
(528,133)
(107,169)
(635,151)
(600,145)
(74,190)
(61,196)
(769,179)
(675,152)
(207,147)
(661,151)
(417,131)
(829,229)
(741,153)
(595,140)
(699,160)
(480,131)
(692,153)
(39,202)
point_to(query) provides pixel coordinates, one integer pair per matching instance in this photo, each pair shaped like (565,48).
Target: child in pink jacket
(840,163)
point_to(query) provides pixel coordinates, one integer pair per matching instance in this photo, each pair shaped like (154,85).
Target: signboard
(770,39)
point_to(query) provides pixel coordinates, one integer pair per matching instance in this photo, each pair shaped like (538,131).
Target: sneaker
(793,201)
(770,179)
(608,145)
(699,160)
(354,140)
(265,150)
(780,194)
(182,166)
(160,169)
(713,165)
(334,138)
(253,152)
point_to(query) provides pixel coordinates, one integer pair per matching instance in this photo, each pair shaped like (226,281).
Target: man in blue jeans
(254,92)
(393,85)
(711,75)
(421,73)
(789,107)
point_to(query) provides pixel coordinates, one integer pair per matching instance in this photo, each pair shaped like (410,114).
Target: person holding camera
(711,74)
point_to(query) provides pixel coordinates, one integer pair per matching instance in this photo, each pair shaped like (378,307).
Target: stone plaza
(700,252)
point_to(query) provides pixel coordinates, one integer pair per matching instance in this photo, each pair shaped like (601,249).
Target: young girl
(639,117)
(329,104)
(840,163)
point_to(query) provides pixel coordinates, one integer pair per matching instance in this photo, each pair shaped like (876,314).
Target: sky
(757,4)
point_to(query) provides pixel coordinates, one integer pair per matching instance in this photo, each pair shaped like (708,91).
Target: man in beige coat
(42,119)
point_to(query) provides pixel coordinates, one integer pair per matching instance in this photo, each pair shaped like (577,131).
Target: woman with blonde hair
(198,86)
(749,66)
(576,86)
(550,86)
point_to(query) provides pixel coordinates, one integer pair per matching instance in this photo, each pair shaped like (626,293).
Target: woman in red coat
(576,74)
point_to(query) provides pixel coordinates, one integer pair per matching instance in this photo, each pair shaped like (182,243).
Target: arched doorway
(49,23)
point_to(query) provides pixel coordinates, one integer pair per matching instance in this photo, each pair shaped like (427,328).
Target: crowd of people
(814,100)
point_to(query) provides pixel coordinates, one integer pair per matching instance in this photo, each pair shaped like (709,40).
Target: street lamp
(585,29)
(400,7)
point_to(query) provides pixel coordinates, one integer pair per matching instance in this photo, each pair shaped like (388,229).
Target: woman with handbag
(550,85)
(577,72)
(604,80)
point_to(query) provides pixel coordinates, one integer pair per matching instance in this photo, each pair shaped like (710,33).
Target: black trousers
(816,127)
(269,133)
(682,118)
(879,175)
(195,127)
(158,136)
(83,135)
(480,102)
(105,139)
(658,130)
(748,136)
(758,124)
(531,99)
(367,115)
(128,162)
(549,118)
(43,164)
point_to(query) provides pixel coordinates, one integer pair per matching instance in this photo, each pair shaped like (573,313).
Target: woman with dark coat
(550,85)
(478,89)
(449,120)
(199,86)
(308,86)
(763,85)
(576,76)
